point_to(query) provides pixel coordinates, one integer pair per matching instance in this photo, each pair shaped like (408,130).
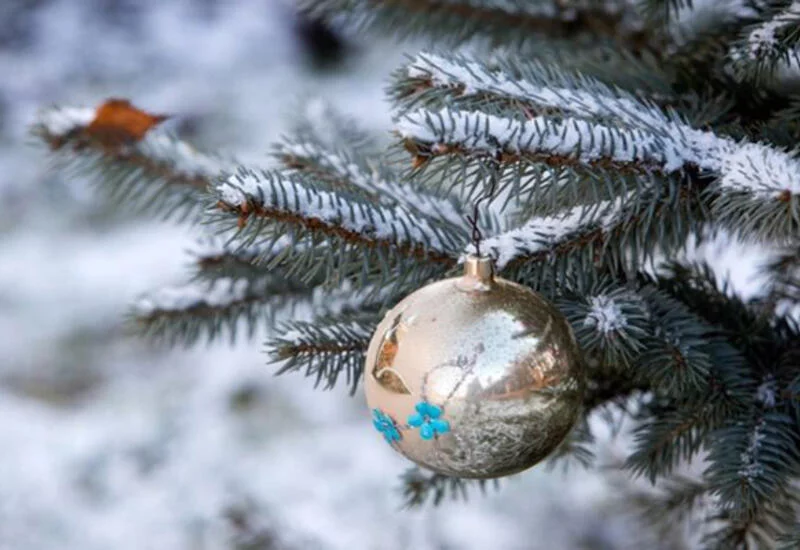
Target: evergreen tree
(610,134)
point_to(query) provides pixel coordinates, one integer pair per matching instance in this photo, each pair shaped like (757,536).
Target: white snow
(59,121)
(766,391)
(373,181)
(755,168)
(599,103)
(538,233)
(762,37)
(217,293)
(759,169)
(605,315)
(573,138)
(372,221)
(751,467)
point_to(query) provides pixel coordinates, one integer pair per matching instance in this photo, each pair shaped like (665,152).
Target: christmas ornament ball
(474,376)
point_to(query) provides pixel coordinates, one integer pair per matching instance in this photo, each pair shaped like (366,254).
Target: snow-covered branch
(511,21)
(611,322)
(216,304)
(576,228)
(158,172)
(531,89)
(342,170)
(762,181)
(540,139)
(287,200)
(771,42)
(185,314)
(324,348)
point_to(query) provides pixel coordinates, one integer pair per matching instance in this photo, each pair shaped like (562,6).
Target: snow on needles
(371,180)
(183,159)
(605,315)
(572,138)
(60,121)
(762,38)
(579,96)
(542,232)
(742,166)
(219,293)
(290,196)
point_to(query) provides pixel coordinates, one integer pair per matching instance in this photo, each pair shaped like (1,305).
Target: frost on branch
(542,237)
(538,90)
(751,463)
(157,172)
(605,315)
(325,348)
(344,171)
(567,141)
(755,190)
(185,314)
(335,223)
(611,322)
(768,44)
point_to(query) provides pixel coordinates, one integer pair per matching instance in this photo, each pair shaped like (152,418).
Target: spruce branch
(526,89)
(611,235)
(751,461)
(216,258)
(673,434)
(421,486)
(754,188)
(556,141)
(209,310)
(766,341)
(661,11)
(158,174)
(346,170)
(542,238)
(677,497)
(340,234)
(675,502)
(679,357)
(784,273)
(611,388)
(761,529)
(509,22)
(325,348)
(610,321)
(790,540)
(767,44)
(576,448)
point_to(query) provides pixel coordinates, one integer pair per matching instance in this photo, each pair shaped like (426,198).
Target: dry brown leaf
(117,122)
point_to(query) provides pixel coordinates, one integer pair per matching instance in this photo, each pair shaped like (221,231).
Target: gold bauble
(475,376)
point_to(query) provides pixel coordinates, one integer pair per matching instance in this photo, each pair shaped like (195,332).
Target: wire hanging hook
(473,220)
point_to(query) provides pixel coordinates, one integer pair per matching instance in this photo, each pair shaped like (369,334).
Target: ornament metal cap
(478,274)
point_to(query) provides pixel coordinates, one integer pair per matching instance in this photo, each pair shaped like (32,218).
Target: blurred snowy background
(108,443)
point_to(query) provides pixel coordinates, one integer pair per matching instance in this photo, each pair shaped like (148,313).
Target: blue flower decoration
(384,424)
(427,420)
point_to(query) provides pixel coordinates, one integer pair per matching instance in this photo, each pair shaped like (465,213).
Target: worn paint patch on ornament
(382,370)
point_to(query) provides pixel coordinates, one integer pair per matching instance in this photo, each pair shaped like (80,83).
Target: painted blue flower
(385,424)
(427,420)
